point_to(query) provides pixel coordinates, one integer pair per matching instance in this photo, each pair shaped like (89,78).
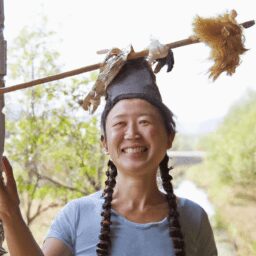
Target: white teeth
(134,150)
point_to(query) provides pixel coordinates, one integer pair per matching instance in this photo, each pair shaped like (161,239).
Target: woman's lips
(134,149)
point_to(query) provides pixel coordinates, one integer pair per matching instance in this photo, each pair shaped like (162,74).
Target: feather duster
(224,35)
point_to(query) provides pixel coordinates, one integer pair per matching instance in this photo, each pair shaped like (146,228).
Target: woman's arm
(21,242)
(19,239)
(55,247)
(205,240)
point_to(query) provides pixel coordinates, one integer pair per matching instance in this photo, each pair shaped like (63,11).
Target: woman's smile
(134,149)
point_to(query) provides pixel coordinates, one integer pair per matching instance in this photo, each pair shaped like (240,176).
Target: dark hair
(173,217)
(175,233)
(104,237)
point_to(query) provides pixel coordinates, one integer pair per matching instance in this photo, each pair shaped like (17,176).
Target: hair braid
(104,237)
(173,218)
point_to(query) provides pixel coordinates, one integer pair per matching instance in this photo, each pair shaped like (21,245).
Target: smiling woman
(131,216)
(136,217)
(136,137)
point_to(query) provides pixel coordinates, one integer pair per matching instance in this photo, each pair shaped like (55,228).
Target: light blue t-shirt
(78,226)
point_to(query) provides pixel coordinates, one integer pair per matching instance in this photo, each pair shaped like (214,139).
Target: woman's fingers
(10,181)
(1,174)
(8,170)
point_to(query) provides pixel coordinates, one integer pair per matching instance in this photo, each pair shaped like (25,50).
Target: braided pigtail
(104,237)
(173,218)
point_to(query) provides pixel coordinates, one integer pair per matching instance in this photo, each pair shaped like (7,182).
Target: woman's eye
(118,124)
(144,122)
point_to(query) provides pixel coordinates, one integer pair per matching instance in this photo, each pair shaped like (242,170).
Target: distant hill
(201,128)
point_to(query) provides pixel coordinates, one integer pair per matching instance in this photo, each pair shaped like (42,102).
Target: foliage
(228,174)
(232,148)
(49,143)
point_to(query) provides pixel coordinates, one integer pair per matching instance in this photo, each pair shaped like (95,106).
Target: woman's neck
(138,193)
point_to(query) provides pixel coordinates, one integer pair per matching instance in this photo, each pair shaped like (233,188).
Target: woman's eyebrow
(146,114)
(118,116)
(125,115)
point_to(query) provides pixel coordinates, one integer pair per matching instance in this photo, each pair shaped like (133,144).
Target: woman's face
(136,138)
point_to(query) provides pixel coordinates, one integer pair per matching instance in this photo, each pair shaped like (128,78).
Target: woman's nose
(132,132)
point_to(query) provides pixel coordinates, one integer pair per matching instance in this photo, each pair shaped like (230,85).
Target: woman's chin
(135,168)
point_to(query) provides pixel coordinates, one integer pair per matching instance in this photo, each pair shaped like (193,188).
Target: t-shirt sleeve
(63,226)
(205,239)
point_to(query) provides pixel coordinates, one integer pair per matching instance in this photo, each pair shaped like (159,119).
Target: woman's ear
(104,144)
(170,140)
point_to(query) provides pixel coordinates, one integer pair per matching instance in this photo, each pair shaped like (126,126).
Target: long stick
(134,55)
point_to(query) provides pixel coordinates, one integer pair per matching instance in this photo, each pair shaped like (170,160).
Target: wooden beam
(2,117)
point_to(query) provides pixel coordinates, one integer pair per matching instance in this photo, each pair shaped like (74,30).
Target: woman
(132,216)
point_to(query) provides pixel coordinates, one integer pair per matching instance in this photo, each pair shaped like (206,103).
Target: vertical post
(2,74)
(2,117)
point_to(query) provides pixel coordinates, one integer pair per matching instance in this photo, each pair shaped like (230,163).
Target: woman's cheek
(114,136)
(153,132)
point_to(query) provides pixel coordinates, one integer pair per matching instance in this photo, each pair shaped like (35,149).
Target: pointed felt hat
(137,80)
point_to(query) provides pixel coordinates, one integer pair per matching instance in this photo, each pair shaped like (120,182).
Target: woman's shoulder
(96,196)
(196,228)
(187,204)
(191,212)
(194,219)
(85,203)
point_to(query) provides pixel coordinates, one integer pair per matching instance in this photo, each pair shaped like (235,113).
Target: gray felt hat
(137,80)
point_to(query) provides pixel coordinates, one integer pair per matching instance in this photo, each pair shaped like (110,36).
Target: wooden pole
(2,74)
(134,55)
(85,69)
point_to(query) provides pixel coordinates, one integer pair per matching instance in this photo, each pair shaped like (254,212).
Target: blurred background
(51,141)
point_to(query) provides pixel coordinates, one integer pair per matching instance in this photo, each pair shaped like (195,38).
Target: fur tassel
(224,35)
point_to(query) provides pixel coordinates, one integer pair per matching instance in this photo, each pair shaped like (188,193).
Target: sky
(88,26)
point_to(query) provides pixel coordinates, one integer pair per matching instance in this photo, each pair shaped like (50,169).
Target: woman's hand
(19,239)
(9,198)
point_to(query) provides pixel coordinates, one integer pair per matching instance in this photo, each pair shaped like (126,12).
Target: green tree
(232,148)
(52,147)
